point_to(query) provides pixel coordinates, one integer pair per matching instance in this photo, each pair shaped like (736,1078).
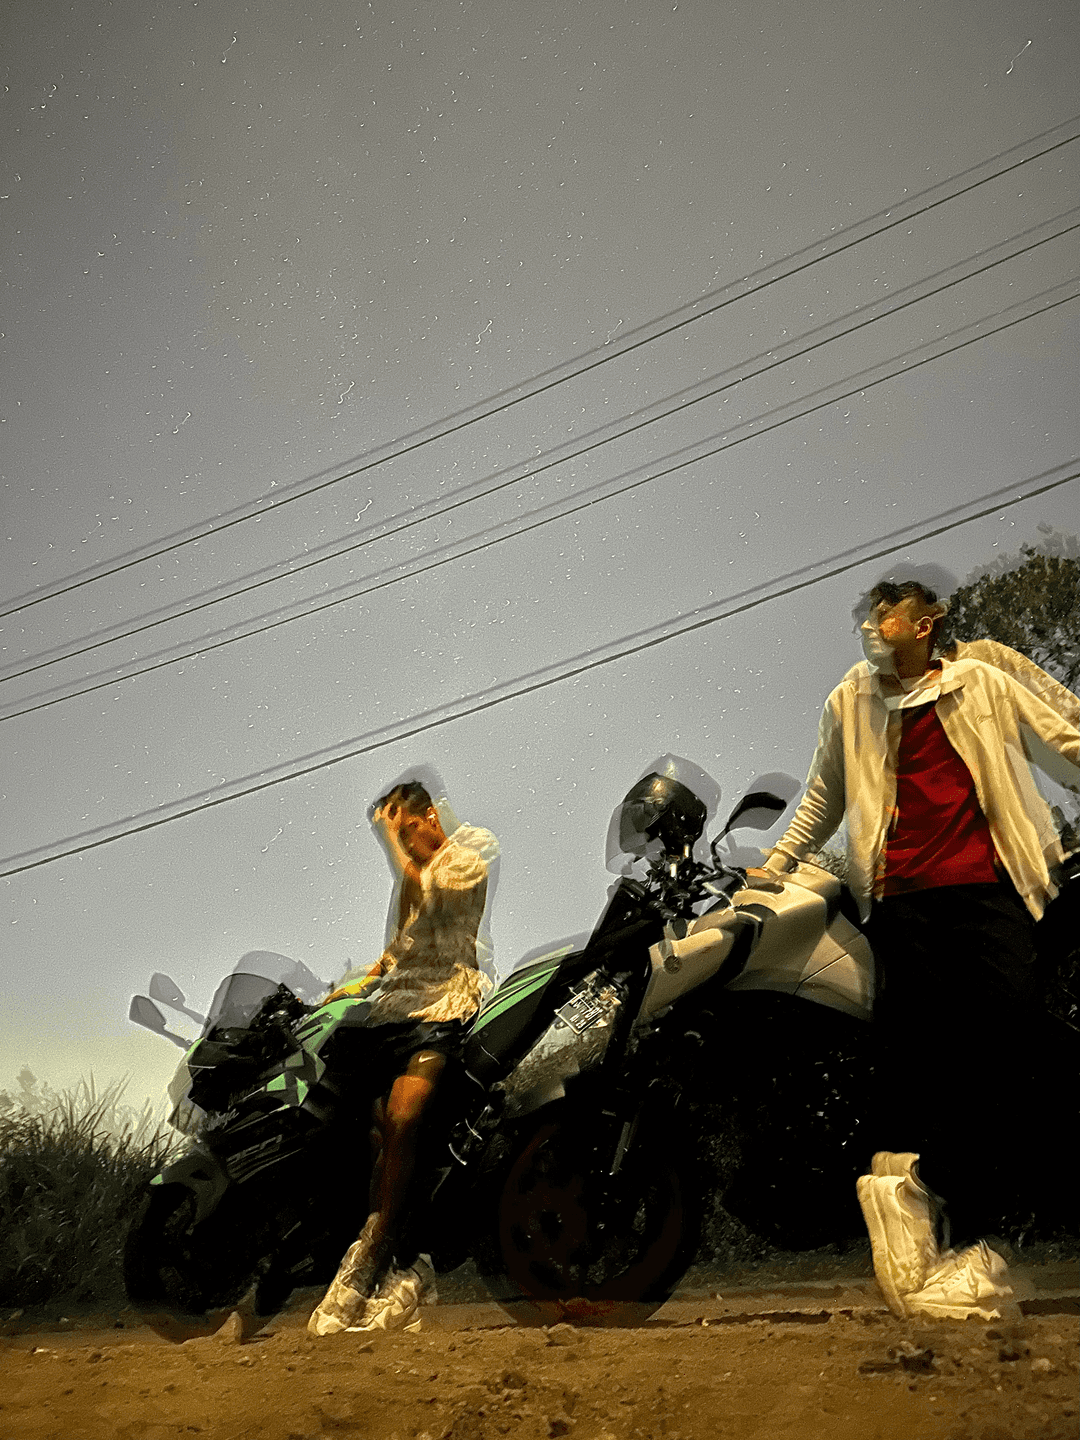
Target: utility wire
(690,455)
(903,212)
(521,685)
(842,326)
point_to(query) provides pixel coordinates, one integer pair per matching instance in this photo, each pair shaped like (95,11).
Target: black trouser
(965,1059)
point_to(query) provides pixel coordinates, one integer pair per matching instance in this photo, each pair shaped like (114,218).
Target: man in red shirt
(950,851)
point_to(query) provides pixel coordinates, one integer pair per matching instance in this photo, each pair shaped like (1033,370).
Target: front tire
(565,1245)
(175,1264)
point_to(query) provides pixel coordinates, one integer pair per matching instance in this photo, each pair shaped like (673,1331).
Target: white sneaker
(345,1300)
(900,1213)
(916,1277)
(339,1306)
(395,1304)
(973,1282)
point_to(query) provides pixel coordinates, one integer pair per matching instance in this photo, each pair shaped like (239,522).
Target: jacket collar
(864,681)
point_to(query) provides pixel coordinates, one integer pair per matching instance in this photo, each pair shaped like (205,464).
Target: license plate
(582,1012)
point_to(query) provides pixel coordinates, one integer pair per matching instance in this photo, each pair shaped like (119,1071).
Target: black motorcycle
(567,1156)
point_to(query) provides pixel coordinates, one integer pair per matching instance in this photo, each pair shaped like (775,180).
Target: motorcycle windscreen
(256,977)
(238,999)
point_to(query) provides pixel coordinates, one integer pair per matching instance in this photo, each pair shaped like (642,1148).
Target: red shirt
(939,835)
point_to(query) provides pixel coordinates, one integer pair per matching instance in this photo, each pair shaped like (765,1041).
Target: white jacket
(431,966)
(996,724)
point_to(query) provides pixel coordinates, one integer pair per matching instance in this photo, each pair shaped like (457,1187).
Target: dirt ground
(758,1360)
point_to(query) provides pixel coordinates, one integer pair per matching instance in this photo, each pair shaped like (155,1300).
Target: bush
(72,1168)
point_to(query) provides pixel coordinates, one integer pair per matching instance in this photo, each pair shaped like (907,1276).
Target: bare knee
(410,1095)
(426,1065)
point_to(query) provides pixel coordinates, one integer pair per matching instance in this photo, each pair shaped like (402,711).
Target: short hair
(926,602)
(411,796)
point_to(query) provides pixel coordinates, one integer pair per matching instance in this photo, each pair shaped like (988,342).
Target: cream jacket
(997,718)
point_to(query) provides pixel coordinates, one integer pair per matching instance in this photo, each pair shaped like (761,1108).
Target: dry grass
(72,1169)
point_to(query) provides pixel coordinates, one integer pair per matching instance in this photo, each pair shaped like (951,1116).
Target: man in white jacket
(950,853)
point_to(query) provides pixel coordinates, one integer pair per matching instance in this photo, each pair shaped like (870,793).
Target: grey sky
(244,244)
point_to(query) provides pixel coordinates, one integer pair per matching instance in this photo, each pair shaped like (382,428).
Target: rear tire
(791,1135)
(562,1245)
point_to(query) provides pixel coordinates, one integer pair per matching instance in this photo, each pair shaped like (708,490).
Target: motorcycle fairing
(295,1075)
(844,975)
(795,941)
(200,1173)
(517,1013)
(574,1041)
(510,1013)
(803,950)
(719,943)
(302,1070)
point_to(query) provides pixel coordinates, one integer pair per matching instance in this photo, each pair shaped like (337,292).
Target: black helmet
(659,807)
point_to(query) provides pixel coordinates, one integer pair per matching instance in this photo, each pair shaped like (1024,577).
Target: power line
(885,308)
(521,685)
(682,460)
(845,239)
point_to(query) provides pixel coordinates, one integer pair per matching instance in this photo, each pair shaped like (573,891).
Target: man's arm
(821,809)
(408,885)
(1023,670)
(1056,747)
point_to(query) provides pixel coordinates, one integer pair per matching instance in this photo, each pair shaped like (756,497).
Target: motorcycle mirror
(165,989)
(144,1012)
(761,807)
(757,811)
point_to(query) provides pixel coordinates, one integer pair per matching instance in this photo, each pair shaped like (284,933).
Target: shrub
(72,1167)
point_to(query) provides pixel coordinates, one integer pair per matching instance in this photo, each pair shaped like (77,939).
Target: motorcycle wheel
(172,1263)
(563,1247)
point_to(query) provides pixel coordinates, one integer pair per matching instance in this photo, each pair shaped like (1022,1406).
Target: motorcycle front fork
(627,1134)
(623,1117)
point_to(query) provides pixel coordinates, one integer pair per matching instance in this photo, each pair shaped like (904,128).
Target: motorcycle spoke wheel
(572,1248)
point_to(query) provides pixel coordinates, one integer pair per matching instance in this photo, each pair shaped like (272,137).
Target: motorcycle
(568,1164)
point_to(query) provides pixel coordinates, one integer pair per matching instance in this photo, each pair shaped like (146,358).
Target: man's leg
(985,1036)
(955,1055)
(905,939)
(398,1126)
(961,1062)
(401,1123)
